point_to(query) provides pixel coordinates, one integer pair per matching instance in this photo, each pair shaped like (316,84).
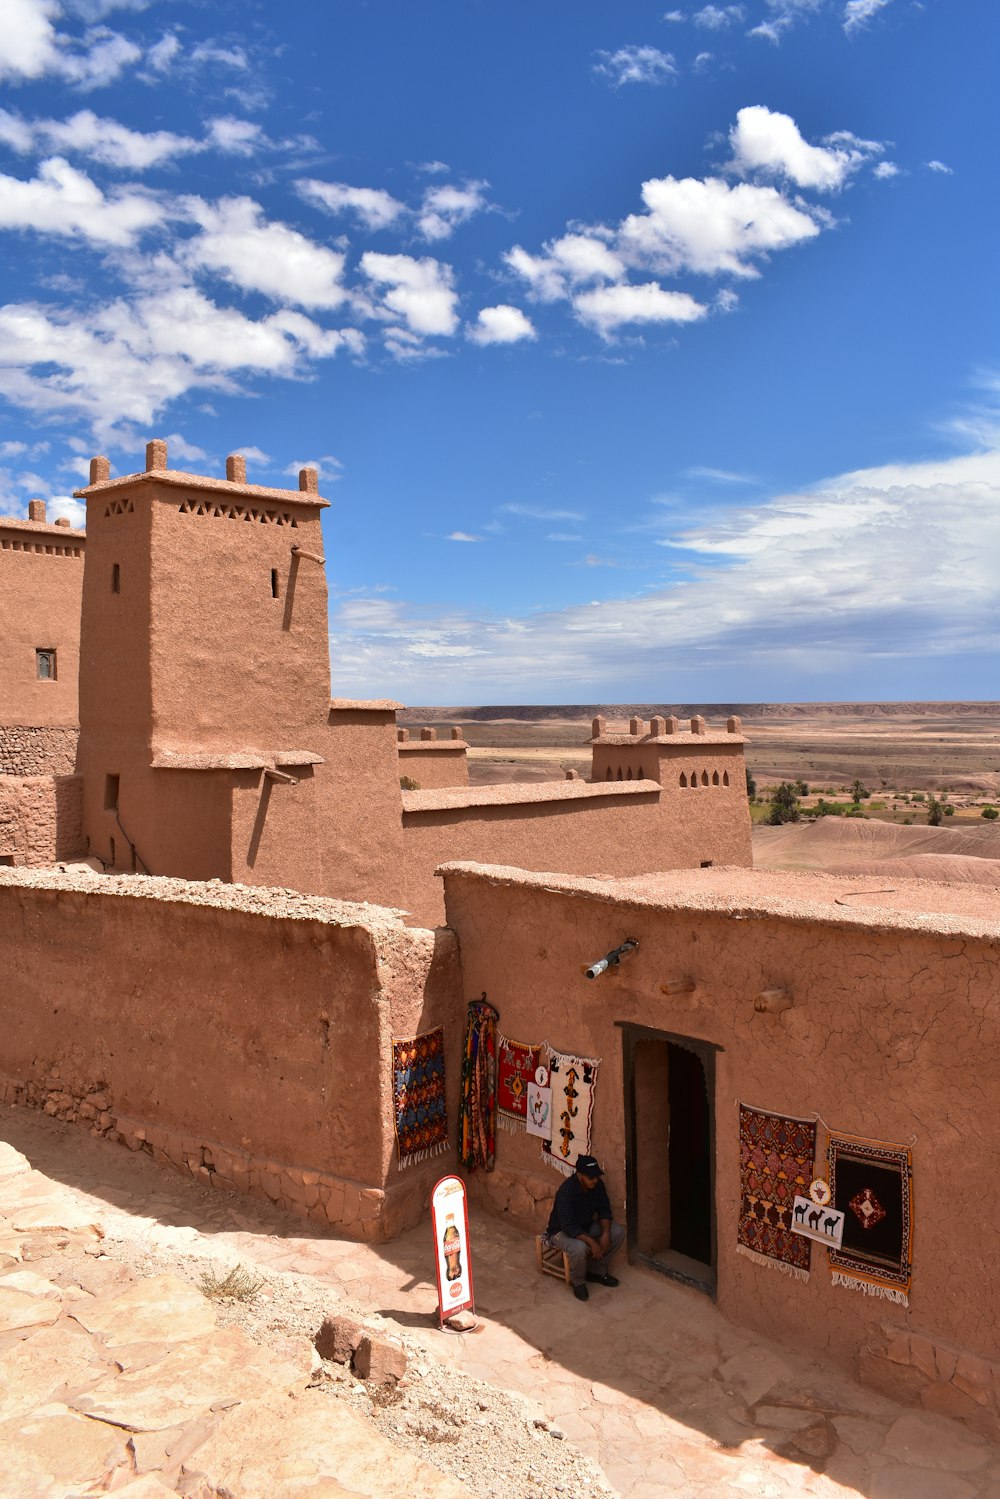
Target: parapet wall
(432,762)
(242,1035)
(26,750)
(41,819)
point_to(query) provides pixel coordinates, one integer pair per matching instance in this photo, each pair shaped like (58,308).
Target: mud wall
(242,1035)
(887,1038)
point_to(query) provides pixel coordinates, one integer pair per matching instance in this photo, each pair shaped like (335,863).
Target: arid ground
(908,747)
(901,752)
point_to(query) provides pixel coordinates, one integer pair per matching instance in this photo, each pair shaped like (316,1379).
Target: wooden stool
(550,1259)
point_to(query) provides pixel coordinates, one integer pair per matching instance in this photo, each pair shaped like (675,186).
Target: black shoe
(581,1293)
(604,1280)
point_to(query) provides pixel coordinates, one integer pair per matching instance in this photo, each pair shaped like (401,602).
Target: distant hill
(540,711)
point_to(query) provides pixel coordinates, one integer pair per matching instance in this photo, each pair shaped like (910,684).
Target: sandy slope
(858,846)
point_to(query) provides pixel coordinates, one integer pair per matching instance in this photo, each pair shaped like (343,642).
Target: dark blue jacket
(575,1208)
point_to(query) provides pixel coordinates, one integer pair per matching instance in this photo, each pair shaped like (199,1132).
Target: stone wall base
(941,1378)
(359,1211)
(524,1200)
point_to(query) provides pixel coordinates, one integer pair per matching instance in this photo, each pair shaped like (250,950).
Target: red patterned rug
(776,1162)
(516,1066)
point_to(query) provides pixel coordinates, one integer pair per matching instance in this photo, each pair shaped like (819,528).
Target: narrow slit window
(274,582)
(45,664)
(111,793)
(116,578)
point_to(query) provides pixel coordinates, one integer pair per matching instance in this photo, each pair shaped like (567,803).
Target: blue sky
(646,352)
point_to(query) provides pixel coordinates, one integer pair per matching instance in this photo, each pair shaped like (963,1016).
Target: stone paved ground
(648,1379)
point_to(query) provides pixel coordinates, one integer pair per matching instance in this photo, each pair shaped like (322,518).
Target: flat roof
(41,527)
(364,705)
(795,895)
(515,793)
(239,759)
(182,480)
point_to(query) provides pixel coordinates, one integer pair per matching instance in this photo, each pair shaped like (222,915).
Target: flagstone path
(135,1384)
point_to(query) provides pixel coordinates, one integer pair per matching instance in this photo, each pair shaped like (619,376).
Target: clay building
(231,994)
(41,583)
(210,747)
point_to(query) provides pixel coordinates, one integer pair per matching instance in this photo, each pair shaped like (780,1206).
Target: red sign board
(450,1225)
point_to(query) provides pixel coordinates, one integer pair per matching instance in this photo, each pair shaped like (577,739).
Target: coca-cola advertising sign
(450,1224)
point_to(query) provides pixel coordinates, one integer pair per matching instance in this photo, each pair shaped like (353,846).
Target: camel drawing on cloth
(825,1225)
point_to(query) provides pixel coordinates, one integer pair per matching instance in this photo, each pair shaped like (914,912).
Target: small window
(45,664)
(274,582)
(725,778)
(7,861)
(111,793)
(706,863)
(684,779)
(111,861)
(704,778)
(715,778)
(116,578)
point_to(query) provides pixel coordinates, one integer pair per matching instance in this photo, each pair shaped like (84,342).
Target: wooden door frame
(705,1051)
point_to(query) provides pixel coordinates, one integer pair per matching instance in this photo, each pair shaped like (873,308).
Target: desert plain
(901,752)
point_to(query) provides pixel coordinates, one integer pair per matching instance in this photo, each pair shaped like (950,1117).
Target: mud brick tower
(204,673)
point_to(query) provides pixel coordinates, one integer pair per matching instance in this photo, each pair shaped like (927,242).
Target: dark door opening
(670,1135)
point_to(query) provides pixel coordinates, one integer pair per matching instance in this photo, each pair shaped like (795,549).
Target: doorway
(670,1153)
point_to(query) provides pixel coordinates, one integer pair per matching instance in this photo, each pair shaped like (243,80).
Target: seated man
(581,1225)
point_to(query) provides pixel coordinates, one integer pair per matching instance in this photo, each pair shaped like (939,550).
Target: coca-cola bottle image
(451,1242)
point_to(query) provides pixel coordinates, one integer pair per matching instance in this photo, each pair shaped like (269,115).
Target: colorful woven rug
(872,1185)
(477,1128)
(572,1080)
(776,1161)
(516,1064)
(418,1097)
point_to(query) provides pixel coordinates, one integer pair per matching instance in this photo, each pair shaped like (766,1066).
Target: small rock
(379,1361)
(560,1436)
(337,1339)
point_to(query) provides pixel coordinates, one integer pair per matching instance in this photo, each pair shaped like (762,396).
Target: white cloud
(883,570)
(674,15)
(858,13)
(636,65)
(463,536)
(769,142)
(235,137)
(376,208)
(226,57)
(884,170)
(127,360)
(63,201)
(421,292)
(32,48)
(251,252)
(328,468)
(710,226)
(163,53)
(445,207)
(103,140)
(718,17)
(64,507)
(29,39)
(720,475)
(939,166)
(608,308)
(539,512)
(500,325)
(570,261)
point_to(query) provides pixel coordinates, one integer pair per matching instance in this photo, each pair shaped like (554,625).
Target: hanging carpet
(572,1080)
(418,1097)
(776,1162)
(872,1185)
(477,1125)
(516,1066)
